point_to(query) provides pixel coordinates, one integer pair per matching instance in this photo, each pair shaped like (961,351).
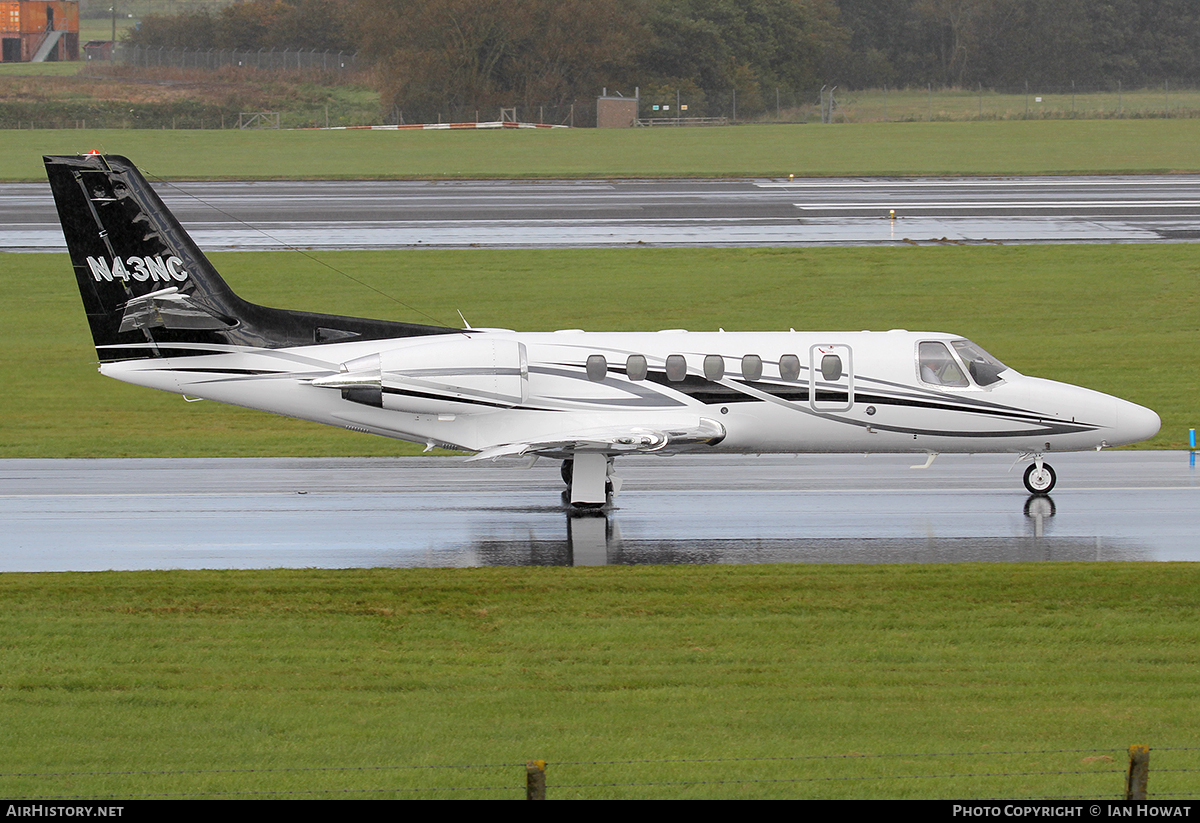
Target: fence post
(535,780)
(1139,773)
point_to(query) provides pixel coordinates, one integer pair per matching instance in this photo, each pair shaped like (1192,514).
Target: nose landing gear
(1040,477)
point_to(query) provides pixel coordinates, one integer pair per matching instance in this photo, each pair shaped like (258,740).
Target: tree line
(430,54)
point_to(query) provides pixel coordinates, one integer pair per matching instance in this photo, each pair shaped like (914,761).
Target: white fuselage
(764,391)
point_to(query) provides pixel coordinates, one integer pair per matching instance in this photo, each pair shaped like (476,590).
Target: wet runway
(603,213)
(411,512)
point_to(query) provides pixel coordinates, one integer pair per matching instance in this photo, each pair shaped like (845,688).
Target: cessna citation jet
(162,317)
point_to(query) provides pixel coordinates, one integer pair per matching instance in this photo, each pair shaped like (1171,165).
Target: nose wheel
(1040,478)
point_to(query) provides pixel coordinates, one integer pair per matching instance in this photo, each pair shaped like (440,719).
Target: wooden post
(535,780)
(1139,773)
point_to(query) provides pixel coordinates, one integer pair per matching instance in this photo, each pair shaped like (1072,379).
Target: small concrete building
(616,112)
(33,31)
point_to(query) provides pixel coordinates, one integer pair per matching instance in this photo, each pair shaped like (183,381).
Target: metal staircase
(47,44)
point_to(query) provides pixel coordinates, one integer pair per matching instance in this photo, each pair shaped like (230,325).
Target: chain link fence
(578,114)
(834,104)
(830,103)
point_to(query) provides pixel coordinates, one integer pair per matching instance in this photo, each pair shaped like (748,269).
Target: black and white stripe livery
(162,317)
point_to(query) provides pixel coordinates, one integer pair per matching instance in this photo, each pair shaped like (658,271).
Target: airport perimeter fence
(987,776)
(188,114)
(833,103)
(828,104)
(578,114)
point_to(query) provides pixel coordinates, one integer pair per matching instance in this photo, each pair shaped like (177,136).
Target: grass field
(984,148)
(127,685)
(119,97)
(1120,319)
(878,105)
(101,28)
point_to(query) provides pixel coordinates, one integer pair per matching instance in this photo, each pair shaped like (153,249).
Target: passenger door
(830,378)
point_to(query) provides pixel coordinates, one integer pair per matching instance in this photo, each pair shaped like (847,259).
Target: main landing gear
(590,481)
(1040,477)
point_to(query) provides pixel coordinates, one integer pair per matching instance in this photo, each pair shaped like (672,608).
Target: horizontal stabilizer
(168,309)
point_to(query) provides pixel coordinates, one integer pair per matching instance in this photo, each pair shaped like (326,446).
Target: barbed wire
(270,792)
(826,779)
(631,761)
(269,769)
(1104,770)
(848,755)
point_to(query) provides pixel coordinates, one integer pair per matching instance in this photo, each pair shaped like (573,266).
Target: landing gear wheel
(1040,480)
(568,469)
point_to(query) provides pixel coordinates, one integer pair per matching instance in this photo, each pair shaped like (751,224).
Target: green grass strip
(949,148)
(594,669)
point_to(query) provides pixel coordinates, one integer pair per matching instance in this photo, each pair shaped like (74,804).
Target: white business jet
(162,317)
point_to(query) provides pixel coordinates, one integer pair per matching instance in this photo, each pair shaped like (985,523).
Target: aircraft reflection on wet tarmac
(441,512)
(594,539)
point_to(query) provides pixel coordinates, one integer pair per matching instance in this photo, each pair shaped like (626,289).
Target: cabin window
(789,367)
(676,367)
(938,367)
(635,367)
(597,367)
(752,367)
(831,367)
(714,366)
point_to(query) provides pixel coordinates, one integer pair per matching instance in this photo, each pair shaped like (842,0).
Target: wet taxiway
(601,213)
(408,512)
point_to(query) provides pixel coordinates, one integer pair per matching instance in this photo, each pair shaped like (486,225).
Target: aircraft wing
(613,440)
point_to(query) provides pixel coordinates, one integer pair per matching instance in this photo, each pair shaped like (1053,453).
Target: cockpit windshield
(939,366)
(985,369)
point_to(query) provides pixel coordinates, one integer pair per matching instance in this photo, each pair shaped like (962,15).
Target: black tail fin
(147,288)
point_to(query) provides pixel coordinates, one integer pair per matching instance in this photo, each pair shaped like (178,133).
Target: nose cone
(1134,423)
(1107,420)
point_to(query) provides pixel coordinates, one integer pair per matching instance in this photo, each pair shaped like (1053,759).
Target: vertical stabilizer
(147,288)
